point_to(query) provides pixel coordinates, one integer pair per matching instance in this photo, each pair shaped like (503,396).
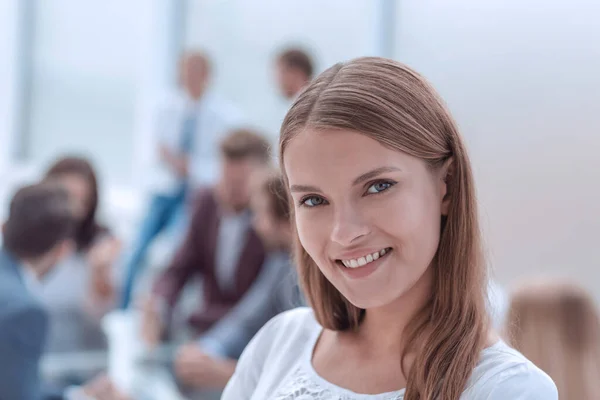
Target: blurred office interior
(522,78)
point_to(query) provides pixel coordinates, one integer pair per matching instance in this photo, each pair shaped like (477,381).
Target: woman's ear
(446,173)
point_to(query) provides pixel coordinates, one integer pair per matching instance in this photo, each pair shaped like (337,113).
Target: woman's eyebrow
(304,189)
(373,173)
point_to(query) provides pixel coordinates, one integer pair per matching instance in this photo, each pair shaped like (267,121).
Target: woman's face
(368,216)
(80,194)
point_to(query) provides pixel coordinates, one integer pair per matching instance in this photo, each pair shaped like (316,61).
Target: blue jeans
(164,211)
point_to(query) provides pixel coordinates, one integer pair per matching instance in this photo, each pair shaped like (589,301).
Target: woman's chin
(367,300)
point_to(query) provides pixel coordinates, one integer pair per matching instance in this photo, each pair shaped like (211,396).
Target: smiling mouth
(365,260)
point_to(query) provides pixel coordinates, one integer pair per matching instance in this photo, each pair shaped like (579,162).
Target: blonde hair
(392,104)
(556,325)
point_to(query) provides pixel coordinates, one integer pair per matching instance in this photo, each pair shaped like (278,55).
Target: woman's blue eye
(379,187)
(313,201)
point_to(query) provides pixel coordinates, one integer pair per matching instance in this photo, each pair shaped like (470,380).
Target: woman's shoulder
(295,318)
(293,326)
(503,372)
(273,352)
(283,339)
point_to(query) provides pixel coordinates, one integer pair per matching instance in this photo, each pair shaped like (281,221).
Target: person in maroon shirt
(220,245)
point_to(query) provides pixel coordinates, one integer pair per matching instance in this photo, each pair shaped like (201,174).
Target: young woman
(388,252)
(557,326)
(80,290)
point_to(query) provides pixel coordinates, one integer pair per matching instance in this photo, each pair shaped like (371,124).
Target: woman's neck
(384,328)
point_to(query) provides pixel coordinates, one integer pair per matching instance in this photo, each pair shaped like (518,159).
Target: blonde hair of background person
(375,164)
(556,325)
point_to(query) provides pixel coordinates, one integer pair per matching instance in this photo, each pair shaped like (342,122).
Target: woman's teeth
(362,261)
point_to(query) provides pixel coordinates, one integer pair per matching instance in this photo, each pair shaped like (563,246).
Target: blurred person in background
(37,237)
(81,289)
(191,123)
(210,362)
(220,245)
(557,326)
(294,69)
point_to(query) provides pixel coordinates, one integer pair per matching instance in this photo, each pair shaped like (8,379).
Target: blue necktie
(188,130)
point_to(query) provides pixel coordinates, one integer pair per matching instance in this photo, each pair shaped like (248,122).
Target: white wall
(97,70)
(9,82)
(243,38)
(83,87)
(523,80)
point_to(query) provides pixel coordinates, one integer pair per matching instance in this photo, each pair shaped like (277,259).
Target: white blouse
(277,365)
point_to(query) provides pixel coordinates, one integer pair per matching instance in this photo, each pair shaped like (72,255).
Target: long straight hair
(88,228)
(392,104)
(557,326)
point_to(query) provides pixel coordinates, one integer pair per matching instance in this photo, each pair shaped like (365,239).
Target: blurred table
(57,365)
(154,380)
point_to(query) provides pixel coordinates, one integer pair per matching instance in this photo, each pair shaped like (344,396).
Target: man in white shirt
(190,126)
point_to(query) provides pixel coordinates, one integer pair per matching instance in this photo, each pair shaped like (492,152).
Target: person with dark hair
(82,288)
(40,227)
(294,70)
(37,236)
(210,362)
(190,124)
(220,244)
(77,175)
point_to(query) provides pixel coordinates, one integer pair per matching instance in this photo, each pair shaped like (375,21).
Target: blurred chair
(556,325)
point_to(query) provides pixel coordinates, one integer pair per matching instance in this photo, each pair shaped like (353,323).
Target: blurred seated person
(294,70)
(36,237)
(210,361)
(191,124)
(81,289)
(557,326)
(220,246)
